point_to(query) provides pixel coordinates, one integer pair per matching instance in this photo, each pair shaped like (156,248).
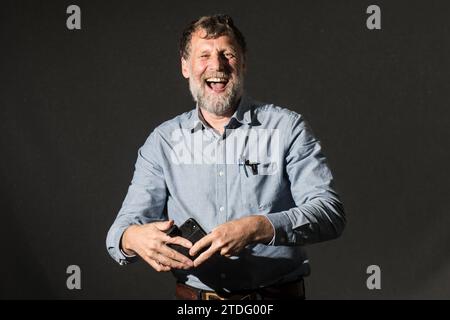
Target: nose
(218,62)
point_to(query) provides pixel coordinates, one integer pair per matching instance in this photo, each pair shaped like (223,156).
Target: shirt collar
(242,116)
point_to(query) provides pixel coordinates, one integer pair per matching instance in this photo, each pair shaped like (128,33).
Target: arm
(138,228)
(319,214)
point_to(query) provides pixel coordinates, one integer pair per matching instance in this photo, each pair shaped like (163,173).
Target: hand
(149,242)
(231,237)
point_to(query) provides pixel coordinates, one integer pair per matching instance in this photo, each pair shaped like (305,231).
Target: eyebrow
(232,49)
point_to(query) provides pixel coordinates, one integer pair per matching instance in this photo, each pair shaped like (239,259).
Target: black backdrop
(76,106)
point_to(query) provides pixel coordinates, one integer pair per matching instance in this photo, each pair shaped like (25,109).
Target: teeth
(217,80)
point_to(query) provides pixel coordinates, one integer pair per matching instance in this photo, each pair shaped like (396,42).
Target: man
(251,174)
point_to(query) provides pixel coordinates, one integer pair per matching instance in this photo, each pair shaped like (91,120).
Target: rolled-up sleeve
(145,199)
(318,214)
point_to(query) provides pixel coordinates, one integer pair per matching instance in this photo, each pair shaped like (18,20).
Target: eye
(229,55)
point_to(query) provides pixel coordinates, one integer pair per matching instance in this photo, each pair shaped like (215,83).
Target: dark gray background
(76,106)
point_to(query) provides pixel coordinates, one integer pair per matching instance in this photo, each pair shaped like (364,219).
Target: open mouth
(217,84)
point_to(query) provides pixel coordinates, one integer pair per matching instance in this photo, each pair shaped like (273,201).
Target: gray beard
(218,105)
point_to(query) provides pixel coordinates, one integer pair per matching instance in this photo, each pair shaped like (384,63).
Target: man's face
(215,70)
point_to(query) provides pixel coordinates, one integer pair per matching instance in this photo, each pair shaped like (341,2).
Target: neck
(215,121)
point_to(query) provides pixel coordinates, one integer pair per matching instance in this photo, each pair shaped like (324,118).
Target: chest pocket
(259,184)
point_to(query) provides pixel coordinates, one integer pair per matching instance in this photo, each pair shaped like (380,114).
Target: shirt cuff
(115,249)
(282,227)
(127,255)
(271,242)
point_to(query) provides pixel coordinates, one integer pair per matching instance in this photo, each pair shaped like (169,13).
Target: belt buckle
(212,296)
(215,296)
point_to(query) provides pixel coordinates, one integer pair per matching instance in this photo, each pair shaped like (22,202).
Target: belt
(291,290)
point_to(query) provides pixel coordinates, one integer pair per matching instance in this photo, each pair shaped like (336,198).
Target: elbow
(339,227)
(335,221)
(338,220)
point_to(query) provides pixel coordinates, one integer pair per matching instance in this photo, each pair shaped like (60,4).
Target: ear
(185,68)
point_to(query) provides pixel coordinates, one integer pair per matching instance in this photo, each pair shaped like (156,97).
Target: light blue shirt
(198,173)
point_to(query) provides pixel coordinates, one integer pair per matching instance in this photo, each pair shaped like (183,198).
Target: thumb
(163,225)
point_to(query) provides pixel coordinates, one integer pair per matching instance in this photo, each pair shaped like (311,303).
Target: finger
(163,225)
(174,255)
(205,256)
(180,241)
(200,244)
(225,252)
(155,265)
(173,263)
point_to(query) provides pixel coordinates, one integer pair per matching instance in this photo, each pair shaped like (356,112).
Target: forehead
(198,41)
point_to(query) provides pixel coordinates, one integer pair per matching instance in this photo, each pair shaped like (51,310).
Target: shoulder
(165,130)
(181,121)
(291,124)
(273,113)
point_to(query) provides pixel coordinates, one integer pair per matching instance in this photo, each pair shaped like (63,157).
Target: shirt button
(221,208)
(220,173)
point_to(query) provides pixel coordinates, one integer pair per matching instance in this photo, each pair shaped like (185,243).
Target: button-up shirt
(266,162)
